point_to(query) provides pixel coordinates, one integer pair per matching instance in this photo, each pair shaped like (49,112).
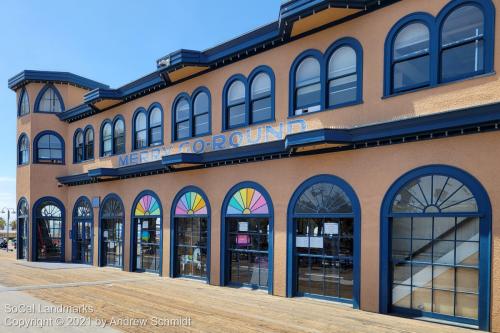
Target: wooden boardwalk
(116,294)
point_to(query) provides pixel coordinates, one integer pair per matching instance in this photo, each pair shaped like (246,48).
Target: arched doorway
(22,229)
(112,220)
(49,228)
(190,235)
(247,237)
(82,231)
(435,246)
(146,233)
(324,240)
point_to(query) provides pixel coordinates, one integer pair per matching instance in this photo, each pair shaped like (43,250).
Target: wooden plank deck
(116,294)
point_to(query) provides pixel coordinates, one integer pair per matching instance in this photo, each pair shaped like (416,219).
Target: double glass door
(147,233)
(83,241)
(112,242)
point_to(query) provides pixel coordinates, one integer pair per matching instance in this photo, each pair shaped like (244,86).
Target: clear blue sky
(110,41)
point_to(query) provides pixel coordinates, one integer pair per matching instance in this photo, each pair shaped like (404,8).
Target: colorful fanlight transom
(148,205)
(191,203)
(247,201)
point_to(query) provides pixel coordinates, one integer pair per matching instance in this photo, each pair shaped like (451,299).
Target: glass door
(147,234)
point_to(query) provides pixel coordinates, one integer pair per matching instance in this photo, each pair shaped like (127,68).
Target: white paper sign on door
(316,242)
(331,228)
(301,241)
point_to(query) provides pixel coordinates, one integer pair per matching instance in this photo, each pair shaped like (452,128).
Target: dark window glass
(119,137)
(236,106)
(24,105)
(89,145)
(50,102)
(49,149)
(49,232)
(79,147)
(140,131)
(112,231)
(260,103)
(342,76)
(307,86)
(411,73)
(107,140)
(236,115)
(23,150)
(201,114)
(155,127)
(182,116)
(191,236)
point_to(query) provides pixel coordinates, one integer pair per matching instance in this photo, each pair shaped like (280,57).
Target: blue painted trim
(101,141)
(358,49)
(193,98)
(74,227)
(102,94)
(34,229)
(75,153)
(35,146)
(182,158)
(19,248)
(291,271)
(256,71)
(134,116)
(39,98)
(484,206)
(224,259)
(102,172)
(293,73)
(20,100)
(412,313)
(173,249)
(28,76)
(85,130)
(173,116)
(151,107)
(133,233)
(99,236)
(76,113)
(23,135)
(225,91)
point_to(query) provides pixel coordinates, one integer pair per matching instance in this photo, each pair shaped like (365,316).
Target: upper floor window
(249,101)
(342,77)
(411,57)
(23,150)
(113,137)
(89,144)
(119,136)
(182,119)
(107,140)
(201,114)
(191,115)
(24,104)
(49,148)
(423,51)
(78,153)
(83,145)
(308,86)
(50,100)
(462,43)
(148,127)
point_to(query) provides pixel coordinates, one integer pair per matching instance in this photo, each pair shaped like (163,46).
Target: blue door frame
(74,231)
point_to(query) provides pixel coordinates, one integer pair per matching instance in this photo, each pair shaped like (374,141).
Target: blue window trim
(133,237)
(224,260)
(101,140)
(151,107)
(99,236)
(435,26)
(40,94)
(256,71)
(35,215)
(19,102)
(18,229)
(358,49)
(35,147)
(147,113)
(85,130)
(23,135)
(115,120)
(173,248)
(291,270)
(225,90)
(191,98)
(488,9)
(484,206)
(75,153)
(74,228)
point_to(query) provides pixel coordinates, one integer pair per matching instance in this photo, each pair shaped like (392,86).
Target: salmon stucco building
(348,151)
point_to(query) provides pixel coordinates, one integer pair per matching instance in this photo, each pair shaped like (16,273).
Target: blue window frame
(111,231)
(247,237)
(423,51)
(49,230)
(23,150)
(23,221)
(435,246)
(190,234)
(248,101)
(118,135)
(191,115)
(48,147)
(324,240)
(107,138)
(147,127)
(78,147)
(49,100)
(112,137)
(23,104)
(83,231)
(83,144)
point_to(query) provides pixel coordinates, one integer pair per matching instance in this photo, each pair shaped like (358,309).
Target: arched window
(49,230)
(190,232)
(83,220)
(236,104)
(49,148)
(89,144)
(182,116)
(23,150)
(49,100)
(112,231)
(411,57)
(140,130)
(106,139)
(155,126)
(146,233)
(307,93)
(462,43)
(436,231)
(78,146)
(342,77)
(261,98)
(324,227)
(24,104)
(22,229)
(119,136)
(248,233)
(201,114)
